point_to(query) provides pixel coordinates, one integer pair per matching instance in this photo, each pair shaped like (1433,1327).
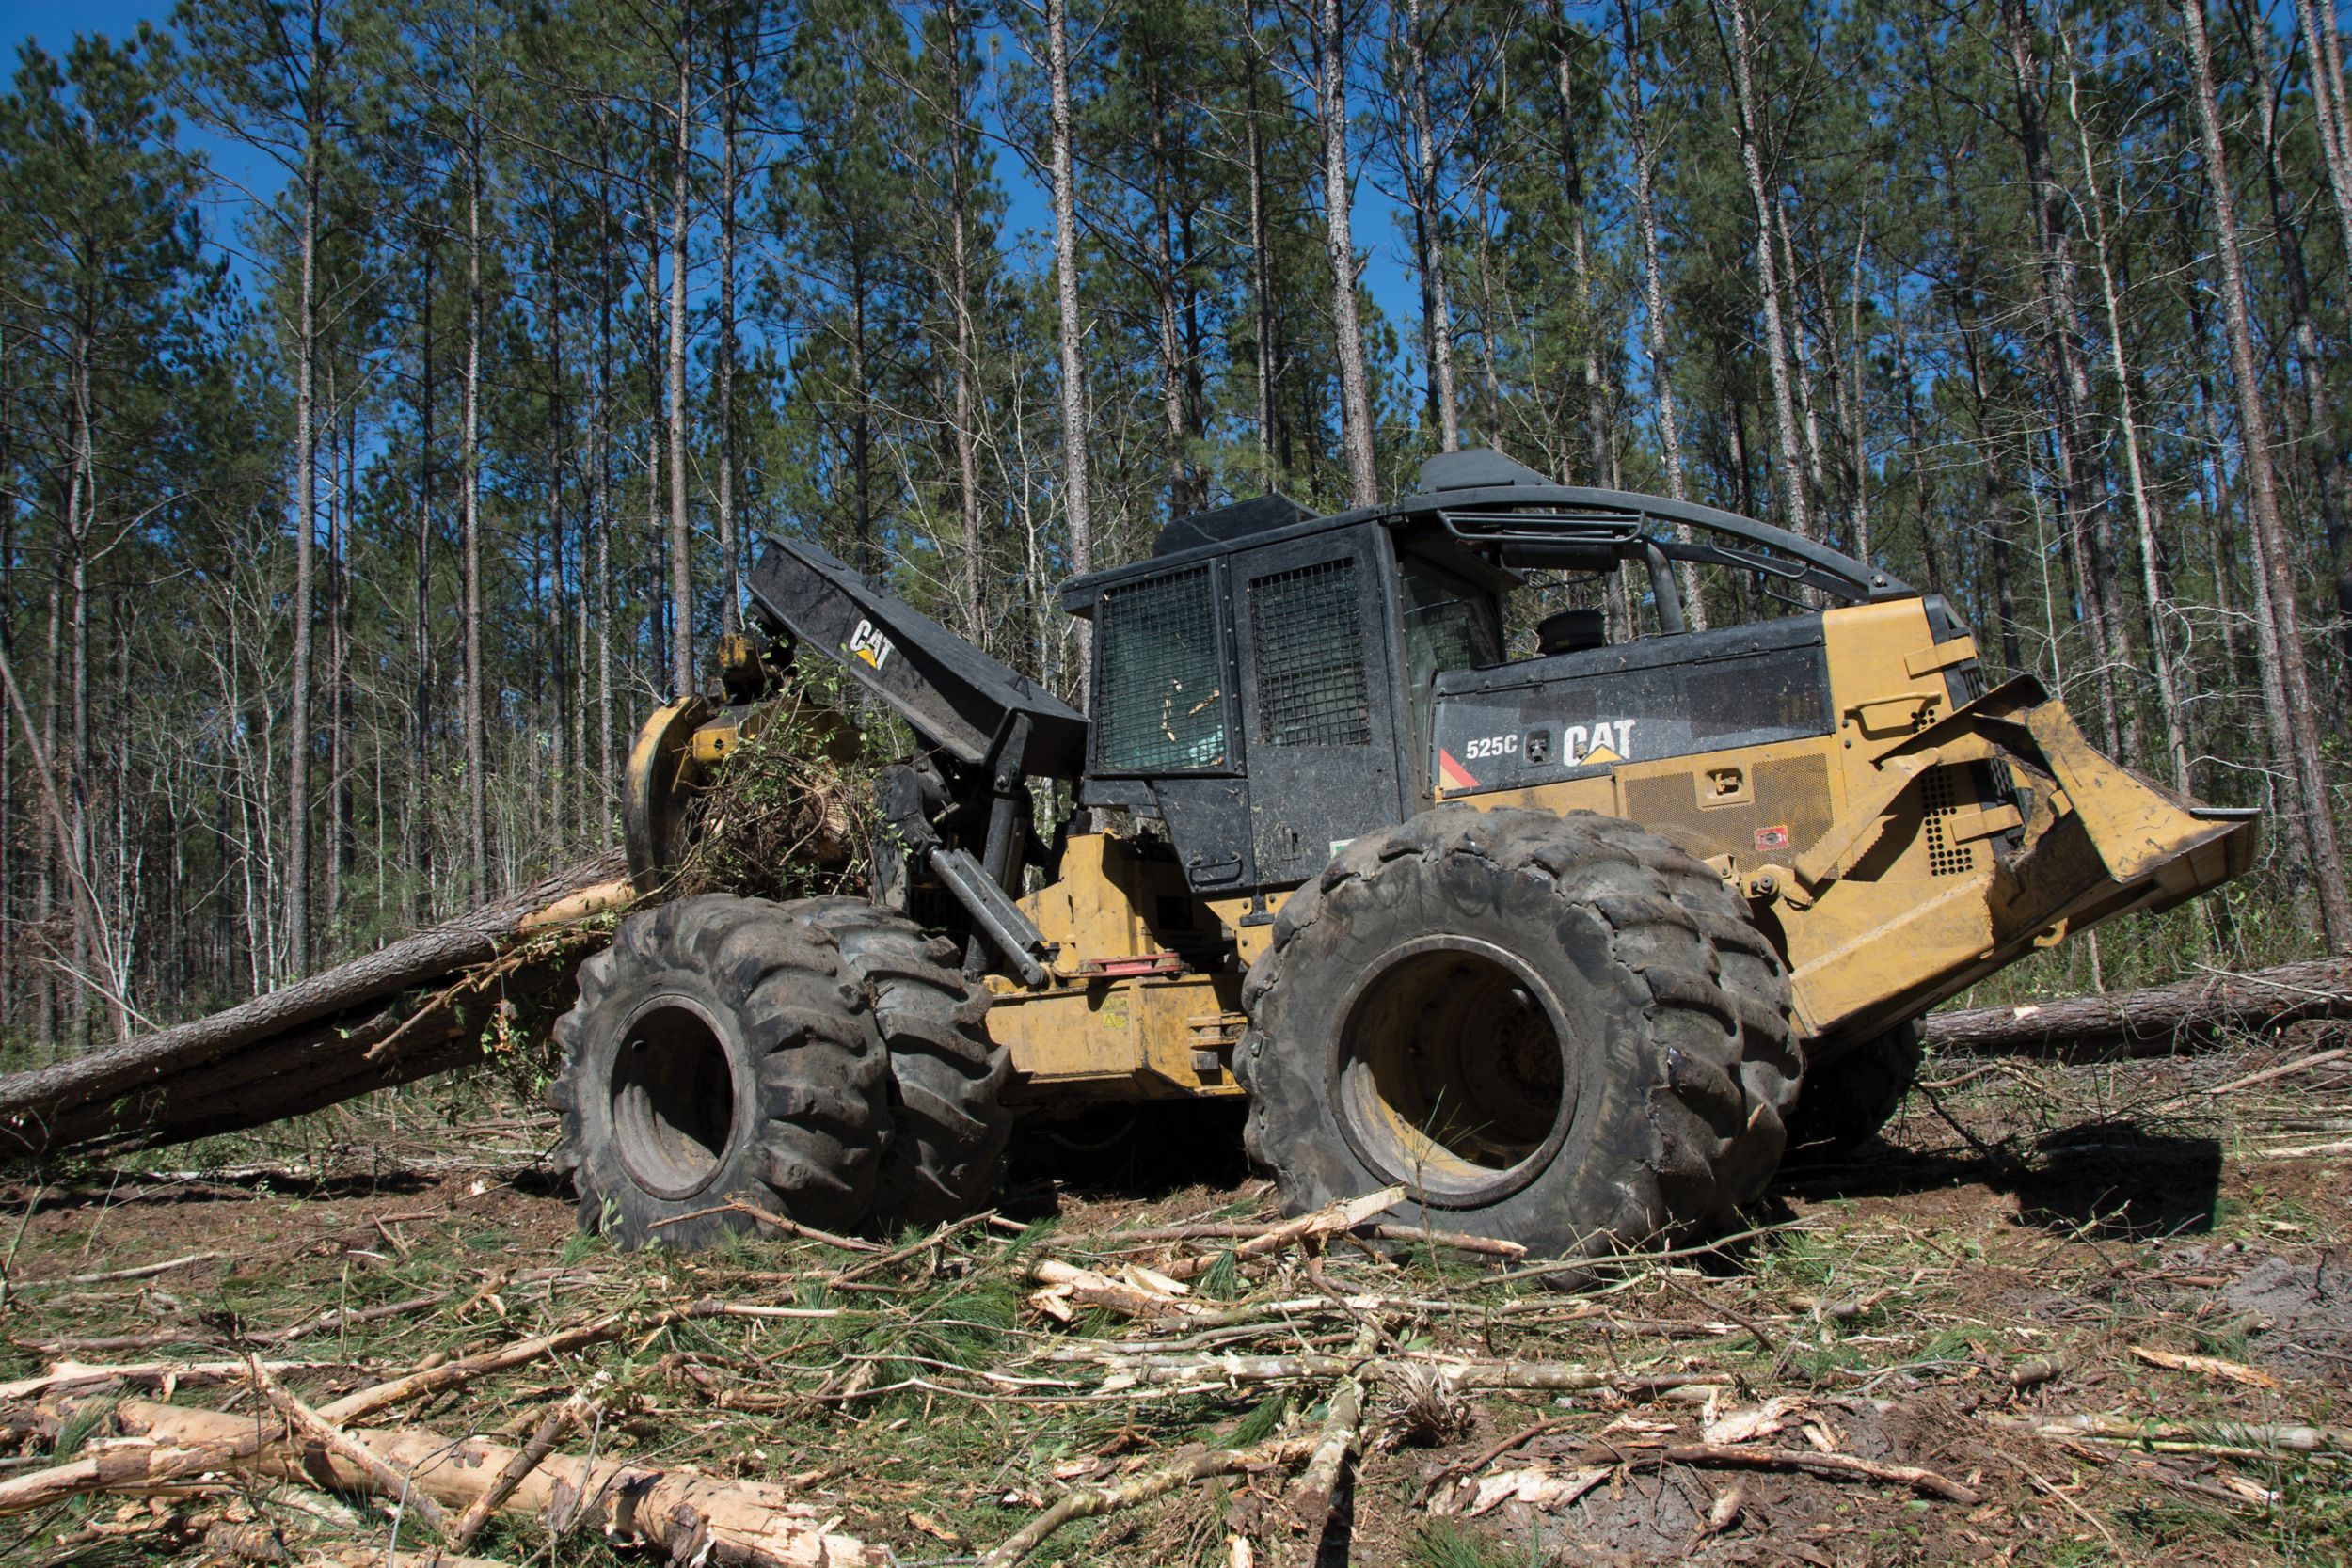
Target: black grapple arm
(987,727)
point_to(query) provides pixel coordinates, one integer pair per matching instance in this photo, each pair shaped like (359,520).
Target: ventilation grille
(1944,858)
(1791,796)
(1309,638)
(1163,707)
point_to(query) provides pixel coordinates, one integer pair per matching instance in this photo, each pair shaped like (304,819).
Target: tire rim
(1454,1074)
(673,1098)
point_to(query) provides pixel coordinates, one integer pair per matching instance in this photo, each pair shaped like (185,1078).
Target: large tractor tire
(1559,1031)
(1848,1098)
(948,1124)
(719,1047)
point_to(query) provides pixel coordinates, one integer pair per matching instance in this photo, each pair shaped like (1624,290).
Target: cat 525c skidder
(1569,946)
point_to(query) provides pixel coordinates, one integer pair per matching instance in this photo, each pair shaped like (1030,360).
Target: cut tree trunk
(745,1522)
(2156,1022)
(307,1045)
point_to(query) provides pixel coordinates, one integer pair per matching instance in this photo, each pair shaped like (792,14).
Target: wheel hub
(673,1099)
(1454,1075)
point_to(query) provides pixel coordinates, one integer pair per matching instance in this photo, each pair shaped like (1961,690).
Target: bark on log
(307,1423)
(746,1521)
(308,1029)
(2156,1022)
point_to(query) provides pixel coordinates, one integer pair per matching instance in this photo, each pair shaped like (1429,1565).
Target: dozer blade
(2142,829)
(2091,840)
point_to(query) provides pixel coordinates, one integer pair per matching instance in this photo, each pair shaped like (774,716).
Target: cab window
(1449,625)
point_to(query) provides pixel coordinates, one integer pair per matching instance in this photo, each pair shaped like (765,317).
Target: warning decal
(1775,837)
(1452,774)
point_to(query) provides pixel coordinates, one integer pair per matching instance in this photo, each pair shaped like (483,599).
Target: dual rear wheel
(822,1059)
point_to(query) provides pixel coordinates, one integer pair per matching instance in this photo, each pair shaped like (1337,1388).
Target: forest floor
(2087,1309)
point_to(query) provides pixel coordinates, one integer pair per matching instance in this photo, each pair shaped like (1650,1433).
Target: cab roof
(1510,517)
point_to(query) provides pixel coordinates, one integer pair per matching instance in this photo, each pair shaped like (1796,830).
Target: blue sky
(1382,228)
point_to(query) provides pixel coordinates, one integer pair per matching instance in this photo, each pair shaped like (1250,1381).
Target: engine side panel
(1580,715)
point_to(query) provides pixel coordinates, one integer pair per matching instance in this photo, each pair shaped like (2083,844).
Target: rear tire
(946,1080)
(719,1047)
(1848,1098)
(1558,1031)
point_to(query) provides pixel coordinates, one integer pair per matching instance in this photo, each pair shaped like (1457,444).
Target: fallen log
(533,1453)
(2229,1437)
(1832,1466)
(307,1423)
(69,1378)
(1343,1429)
(1370,1230)
(2157,1021)
(1088,1503)
(745,1522)
(300,1047)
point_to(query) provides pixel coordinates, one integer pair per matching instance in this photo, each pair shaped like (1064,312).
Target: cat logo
(1609,741)
(869,644)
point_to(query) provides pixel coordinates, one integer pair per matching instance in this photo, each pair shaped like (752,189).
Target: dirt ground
(2110,1309)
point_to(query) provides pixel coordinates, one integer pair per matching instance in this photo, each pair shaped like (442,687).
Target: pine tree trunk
(966,410)
(2330,110)
(657,541)
(1997,503)
(11,939)
(80,504)
(1740,54)
(730,547)
(1654,297)
(1180,480)
(470,461)
(2144,501)
(346,853)
(1429,208)
(1579,269)
(2328,460)
(2054,286)
(53,865)
(2287,684)
(608,785)
(558,831)
(1363,474)
(1848,403)
(1076,500)
(421,639)
(681,558)
(1260,279)
(1801,353)
(305,509)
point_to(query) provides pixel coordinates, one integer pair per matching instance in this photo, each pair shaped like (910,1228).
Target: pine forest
(392,392)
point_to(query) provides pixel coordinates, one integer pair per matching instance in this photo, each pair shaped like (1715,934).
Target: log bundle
(387,1017)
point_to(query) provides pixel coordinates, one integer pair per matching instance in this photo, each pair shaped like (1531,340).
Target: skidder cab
(1569,946)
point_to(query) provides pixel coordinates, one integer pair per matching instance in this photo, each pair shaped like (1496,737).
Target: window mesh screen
(1163,707)
(1309,638)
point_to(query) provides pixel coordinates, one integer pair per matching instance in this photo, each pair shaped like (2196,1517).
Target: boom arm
(955,697)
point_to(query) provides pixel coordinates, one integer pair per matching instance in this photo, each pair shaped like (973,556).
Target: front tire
(1558,1031)
(720,1048)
